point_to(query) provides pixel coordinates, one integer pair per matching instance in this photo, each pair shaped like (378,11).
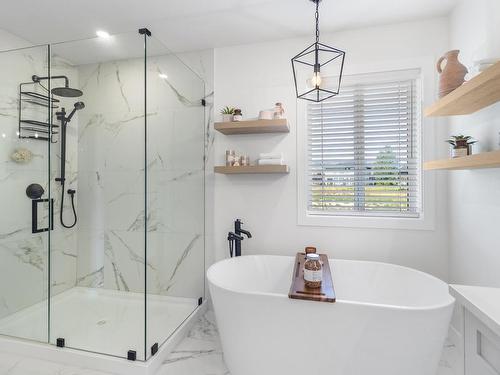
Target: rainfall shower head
(66,92)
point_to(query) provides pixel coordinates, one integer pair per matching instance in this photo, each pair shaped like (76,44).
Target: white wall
(254,77)
(474,196)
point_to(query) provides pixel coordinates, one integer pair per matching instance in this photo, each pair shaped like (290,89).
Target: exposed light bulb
(316,79)
(102,34)
(36,135)
(163,76)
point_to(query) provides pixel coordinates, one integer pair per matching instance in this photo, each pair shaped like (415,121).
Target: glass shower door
(25,135)
(97,266)
(175,193)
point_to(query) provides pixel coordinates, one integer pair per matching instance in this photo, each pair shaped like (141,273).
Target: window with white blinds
(363,149)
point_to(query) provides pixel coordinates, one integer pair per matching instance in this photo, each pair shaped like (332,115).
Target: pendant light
(317,70)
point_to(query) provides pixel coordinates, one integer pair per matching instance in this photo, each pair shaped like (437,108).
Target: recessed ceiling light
(162,76)
(102,34)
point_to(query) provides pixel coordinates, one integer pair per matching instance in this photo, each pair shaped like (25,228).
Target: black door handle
(34,215)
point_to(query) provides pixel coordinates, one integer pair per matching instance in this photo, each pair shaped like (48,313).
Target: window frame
(426,218)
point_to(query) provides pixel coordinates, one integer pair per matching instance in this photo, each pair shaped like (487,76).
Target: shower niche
(115,130)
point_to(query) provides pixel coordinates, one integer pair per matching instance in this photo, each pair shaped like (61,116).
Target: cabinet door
(482,348)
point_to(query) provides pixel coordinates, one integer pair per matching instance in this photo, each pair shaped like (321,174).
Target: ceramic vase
(227,117)
(452,75)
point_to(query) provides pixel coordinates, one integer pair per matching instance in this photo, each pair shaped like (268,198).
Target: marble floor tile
(19,365)
(200,353)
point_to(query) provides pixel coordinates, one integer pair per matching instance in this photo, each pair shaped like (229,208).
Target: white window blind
(363,149)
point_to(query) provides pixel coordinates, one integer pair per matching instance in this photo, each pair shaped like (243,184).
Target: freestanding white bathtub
(388,320)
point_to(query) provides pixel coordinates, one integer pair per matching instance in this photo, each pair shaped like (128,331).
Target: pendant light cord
(316,15)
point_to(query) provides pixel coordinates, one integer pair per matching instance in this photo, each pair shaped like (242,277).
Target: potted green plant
(227,114)
(461,145)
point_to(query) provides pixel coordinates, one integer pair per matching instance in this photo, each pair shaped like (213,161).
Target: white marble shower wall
(24,268)
(111,173)
(63,241)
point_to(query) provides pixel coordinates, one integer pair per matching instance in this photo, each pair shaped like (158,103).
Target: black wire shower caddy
(31,128)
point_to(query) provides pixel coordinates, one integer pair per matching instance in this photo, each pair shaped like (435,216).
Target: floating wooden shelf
(252,169)
(253,127)
(483,160)
(480,92)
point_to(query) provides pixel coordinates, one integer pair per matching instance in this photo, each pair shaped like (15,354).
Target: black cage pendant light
(317,70)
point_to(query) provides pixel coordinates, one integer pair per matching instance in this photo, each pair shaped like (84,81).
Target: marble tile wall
(24,268)
(111,174)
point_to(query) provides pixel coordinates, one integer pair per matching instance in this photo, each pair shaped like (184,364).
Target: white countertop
(482,301)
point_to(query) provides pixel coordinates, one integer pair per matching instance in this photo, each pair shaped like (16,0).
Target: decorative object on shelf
(480,92)
(480,66)
(266,114)
(21,156)
(237,116)
(279,111)
(244,160)
(271,155)
(275,158)
(230,157)
(227,114)
(317,70)
(462,145)
(453,74)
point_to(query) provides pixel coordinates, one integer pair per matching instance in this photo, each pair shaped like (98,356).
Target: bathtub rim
(450,302)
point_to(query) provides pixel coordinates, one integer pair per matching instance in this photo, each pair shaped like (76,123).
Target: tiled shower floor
(199,353)
(103,321)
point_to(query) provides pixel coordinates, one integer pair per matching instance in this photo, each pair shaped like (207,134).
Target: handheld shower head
(78,106)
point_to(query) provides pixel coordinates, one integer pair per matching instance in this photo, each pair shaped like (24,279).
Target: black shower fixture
(61,116)
(64,91)
(317,70)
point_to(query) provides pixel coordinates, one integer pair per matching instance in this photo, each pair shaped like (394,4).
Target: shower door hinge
(60,342)
(154,349)
(200,301)
(131,355)
(144,31)
(203,102)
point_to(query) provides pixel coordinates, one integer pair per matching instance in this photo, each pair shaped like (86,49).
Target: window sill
(358,221)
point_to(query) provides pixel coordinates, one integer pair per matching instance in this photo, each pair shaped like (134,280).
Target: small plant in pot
(461,145)
(227,114)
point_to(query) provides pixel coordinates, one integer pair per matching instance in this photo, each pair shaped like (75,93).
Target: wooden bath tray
(298,290)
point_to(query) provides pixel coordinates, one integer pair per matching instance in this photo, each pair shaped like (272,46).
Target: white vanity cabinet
(475,330)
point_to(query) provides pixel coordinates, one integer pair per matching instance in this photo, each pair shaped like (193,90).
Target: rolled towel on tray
(271,155)
(271,162)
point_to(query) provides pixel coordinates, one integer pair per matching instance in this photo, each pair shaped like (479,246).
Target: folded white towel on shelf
(271,155)
(271,162)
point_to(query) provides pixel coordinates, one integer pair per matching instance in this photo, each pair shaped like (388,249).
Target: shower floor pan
(99,326)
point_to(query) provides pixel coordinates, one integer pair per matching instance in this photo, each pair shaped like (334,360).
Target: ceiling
(198,24)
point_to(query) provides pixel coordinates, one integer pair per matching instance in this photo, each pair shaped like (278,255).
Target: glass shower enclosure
(102,194)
